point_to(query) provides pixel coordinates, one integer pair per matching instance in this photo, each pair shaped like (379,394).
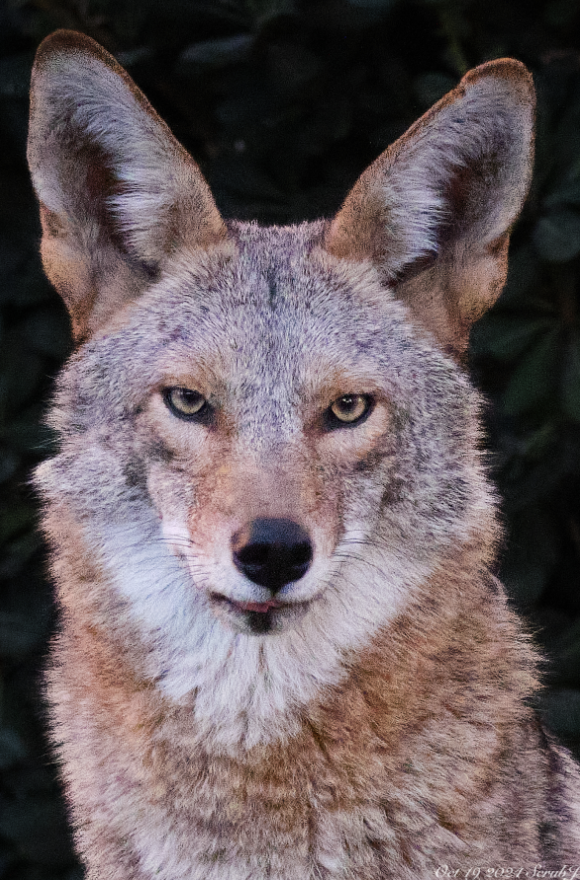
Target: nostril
(272,552)
(253,554)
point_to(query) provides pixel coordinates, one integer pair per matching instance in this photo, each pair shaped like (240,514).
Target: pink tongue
(261,607)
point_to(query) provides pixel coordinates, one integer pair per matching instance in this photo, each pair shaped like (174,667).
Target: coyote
(282,652)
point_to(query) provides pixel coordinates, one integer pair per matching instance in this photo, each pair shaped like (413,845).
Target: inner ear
(434,211)
(118,194)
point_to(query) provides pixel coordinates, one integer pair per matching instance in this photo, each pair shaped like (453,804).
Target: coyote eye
(349,409)
(186,404)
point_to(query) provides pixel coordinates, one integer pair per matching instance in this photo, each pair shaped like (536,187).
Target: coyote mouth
(256,607)
(259,607)
(259,618)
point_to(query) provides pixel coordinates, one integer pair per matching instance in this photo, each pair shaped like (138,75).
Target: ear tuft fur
(118,192)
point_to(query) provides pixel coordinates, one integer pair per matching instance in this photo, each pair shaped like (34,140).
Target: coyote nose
(272,552)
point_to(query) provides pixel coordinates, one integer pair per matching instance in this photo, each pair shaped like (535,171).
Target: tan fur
(373,719)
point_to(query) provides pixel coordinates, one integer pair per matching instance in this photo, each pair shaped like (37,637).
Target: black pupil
(190,398)
(348,403)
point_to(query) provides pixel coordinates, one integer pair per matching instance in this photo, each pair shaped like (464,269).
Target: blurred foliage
(284,103)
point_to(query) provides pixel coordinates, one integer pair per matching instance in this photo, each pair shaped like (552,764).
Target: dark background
(284,104)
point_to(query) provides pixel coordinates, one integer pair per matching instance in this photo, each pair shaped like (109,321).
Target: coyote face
(270,519)
(275,425)
(254,452)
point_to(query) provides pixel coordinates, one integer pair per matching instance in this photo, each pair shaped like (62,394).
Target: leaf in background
(429,87)
(534,378)
(532,551)
(37,826)
(15,519)
(557,235)
(15,75)
(566,194)
(267,10)
(291,67)
(14,125)
(27,285)
(18,553)
(12,748)
(560,12)
(218,53)
(506,336)
(29,434)
(20,634)
(20,372)
(561,711)
(571,377)
(48,332)
(564,648)
(134,56)
(251,100)
(241,176)
(540,443)
(567,138)
(9,462)
(523,274)
(374,4)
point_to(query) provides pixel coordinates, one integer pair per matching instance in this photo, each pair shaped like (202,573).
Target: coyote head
(268,441)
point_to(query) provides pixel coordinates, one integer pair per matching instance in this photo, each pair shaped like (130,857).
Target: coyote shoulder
(282,652)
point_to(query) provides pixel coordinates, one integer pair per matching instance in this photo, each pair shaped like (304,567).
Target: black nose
(272,552)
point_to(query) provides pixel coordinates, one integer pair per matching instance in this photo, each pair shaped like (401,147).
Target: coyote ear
(434,211)
(117,192)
